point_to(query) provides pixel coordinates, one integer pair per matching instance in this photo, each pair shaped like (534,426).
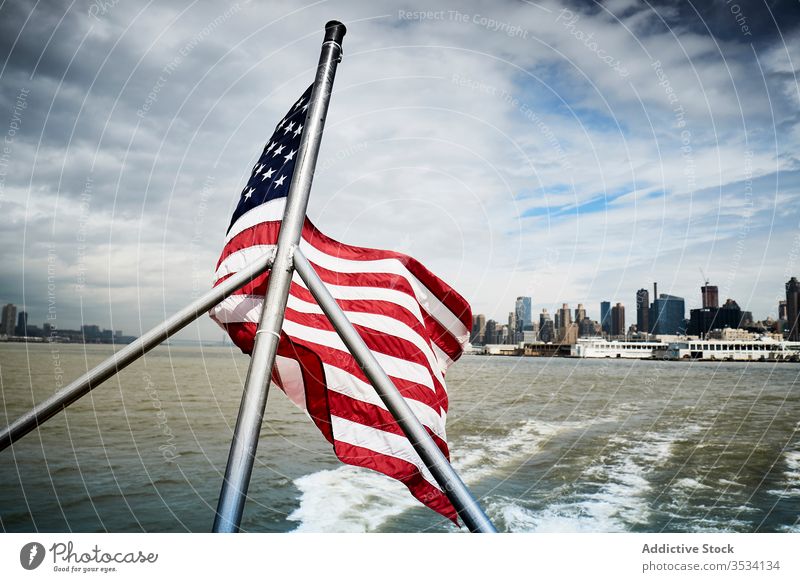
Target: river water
(546,444)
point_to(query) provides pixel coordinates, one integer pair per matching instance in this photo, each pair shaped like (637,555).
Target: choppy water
(547,444)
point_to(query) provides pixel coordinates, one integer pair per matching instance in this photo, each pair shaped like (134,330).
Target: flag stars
(270,146)
(288,128)
(304,107)
(278,150)
(299,103)
(298,130)
(249,193)
(268,174)
(290,155)
(279,181)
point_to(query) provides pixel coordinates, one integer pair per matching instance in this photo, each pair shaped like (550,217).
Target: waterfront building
(22,324)
(490,335)
(9,319)
(643,311)
(710,295)
(523,312)
(546,329)
(792,309)
(478,329)
(605,316)
(618,320)
(667,315)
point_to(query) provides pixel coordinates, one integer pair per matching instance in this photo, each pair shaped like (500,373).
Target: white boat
(759,349)
(598,347)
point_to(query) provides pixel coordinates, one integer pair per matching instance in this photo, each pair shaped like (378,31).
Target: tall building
(523,311)
(22,324)
(580,313)
(643,311)
(564,316)
(702,321)
(618,320)
(710,295)
(792,306)
(782,310)
(513,333)
(9,320)
(490,336)
(667,314)
(478,329)
(605,316)
(546,330)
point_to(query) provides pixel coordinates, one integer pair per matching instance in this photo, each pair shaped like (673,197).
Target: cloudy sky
(574,152)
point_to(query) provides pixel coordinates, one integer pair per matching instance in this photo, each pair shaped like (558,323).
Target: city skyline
(493,143)
(666,315)
(594,307)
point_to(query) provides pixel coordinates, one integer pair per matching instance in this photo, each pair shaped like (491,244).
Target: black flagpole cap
(335,31)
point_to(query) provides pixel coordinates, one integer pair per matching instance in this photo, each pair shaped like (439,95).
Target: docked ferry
(759,349)
(598,347)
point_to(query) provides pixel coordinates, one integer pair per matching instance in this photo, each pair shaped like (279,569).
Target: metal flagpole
(452,485)
(130,353)
(254,399)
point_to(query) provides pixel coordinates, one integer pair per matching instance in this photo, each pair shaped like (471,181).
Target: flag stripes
(415,325)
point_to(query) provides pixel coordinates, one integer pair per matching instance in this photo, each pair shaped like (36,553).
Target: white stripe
(273,211)
(379,441)
(337,380)
(355,293)
(267,212)
(291,377)
(237,309)
(237,261)
(397,367)
(425,297)
(247,309)
(381,323)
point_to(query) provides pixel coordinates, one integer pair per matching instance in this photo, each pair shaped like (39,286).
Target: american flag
(413,322)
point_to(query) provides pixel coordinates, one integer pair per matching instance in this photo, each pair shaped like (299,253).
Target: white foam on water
(353,499)
(561,518)
(348,499)
(791,476)
(617,499)
(478,456)
(690,484)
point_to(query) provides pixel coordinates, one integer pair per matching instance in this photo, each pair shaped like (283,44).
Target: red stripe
(381,343)
(267,233)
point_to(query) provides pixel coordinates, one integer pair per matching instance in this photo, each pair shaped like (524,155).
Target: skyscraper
(618,319)
(22,324)
(580,313)
(478,329)
(605,316)
(490,336)
(710,295)
(546,331)
(643,311)
(523,311)
(9,319)
(667,314)
(792,306)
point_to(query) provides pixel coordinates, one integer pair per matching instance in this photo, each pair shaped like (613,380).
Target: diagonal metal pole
(251,411)
(452,485)
(130,353)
